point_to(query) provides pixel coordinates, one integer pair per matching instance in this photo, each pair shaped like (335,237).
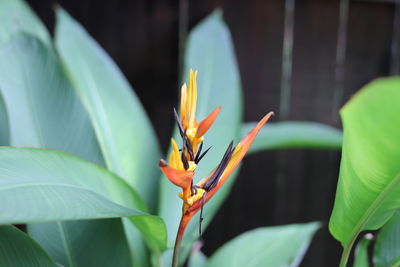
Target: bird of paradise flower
(184,161)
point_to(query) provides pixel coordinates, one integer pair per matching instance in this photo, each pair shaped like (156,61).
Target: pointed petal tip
(267,116)
(205,124)
(261,123)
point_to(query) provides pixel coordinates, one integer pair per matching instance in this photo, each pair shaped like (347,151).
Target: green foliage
(368,190)
(269,246)
(361,258)
(4,129)
(77,101)
(125,135)
(387,245)
(18,250)
(292,134)
(15,17)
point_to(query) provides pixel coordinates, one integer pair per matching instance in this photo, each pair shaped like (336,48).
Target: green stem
(182,227)
(345,256)
(346,252)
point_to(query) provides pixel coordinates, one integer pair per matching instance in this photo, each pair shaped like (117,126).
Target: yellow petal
(183,103)
(192,99)
(175,158)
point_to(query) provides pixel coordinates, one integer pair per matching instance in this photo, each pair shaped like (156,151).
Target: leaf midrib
(66,244)
(372,209)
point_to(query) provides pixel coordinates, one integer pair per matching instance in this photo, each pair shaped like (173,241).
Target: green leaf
(126,137)
(387,245)
(4,127)
(17,16)
(96,245)
(368,191)
(293,134)
(18,250)
(361,258)
(268,246)
(210,51)
(40,185)
(45,112)
(42,107)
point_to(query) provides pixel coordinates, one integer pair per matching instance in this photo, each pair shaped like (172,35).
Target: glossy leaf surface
(368,191)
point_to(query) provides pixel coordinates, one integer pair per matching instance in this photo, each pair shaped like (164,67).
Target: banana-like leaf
(126,137)
(44,111)
(210,51)
(42,107)
(17,16)
(275,246)
(17,249)
(387,245)
(295,134)
(361,258)
(368,191)
(40,185)
(125,134)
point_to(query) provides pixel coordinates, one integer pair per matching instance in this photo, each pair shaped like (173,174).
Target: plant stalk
(345,257)
(181,230)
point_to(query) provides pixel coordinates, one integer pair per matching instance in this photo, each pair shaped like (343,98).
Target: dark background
(298,185)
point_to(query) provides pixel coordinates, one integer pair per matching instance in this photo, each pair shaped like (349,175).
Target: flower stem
(182,227)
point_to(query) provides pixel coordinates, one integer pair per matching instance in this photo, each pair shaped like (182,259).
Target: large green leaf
(18,250)
(368,191)
(126,137)
(275,246)
(387,245)
(16,16)
(40,185)
(44,111)
(42,107)
(210,51)
(292,134)
(77,244)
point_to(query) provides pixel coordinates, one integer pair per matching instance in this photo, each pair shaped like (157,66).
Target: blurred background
(302,59)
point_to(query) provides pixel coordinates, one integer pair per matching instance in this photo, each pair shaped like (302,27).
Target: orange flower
(183,162)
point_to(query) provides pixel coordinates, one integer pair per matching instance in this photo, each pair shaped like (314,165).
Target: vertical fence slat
(340,58)
(287,59)
(183,25)
(395,46)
